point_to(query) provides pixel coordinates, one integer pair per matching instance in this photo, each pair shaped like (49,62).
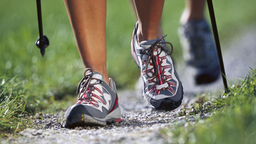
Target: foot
(199,51)
(162,87)
(97,102)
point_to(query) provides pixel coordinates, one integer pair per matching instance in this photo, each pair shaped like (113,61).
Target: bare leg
(149,13)
(88,20)
(194,10)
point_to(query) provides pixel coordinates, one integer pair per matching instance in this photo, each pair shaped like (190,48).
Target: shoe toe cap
(74,115)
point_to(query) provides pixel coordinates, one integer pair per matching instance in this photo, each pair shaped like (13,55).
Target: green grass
(233,120)
(12,106)
(52,80)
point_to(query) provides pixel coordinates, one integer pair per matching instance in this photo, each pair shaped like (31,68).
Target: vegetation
(12,106)
(233,119)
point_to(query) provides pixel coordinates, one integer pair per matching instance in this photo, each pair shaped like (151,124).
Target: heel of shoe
(114,116)
(134,56)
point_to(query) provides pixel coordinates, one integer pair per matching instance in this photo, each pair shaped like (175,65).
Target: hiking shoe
(199,51)
(162,87)
(97,102)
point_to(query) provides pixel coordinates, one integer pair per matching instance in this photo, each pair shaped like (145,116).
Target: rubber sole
(169,105)
(207,77)
(74,120)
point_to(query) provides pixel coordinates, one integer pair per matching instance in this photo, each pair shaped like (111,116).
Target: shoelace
(150,52)
(85,94)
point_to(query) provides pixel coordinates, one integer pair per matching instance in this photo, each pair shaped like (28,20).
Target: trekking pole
(42,42)
(217,42)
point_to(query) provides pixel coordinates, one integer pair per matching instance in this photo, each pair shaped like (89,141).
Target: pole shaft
(39,16)
(217,42)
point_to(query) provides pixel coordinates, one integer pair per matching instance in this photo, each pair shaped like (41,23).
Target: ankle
(148,35)
(106,79)
(187,17)
(105,76)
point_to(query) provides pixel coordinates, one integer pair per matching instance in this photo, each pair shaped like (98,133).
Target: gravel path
(141,124)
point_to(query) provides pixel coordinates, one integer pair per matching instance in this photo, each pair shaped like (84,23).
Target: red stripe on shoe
(171,90)
(152,88)
(118,120)
(151,81)
(156,92)
(172,84)
(98,90)
(99,98)
(144,72)
(93,104)
(115,104)
(158,70)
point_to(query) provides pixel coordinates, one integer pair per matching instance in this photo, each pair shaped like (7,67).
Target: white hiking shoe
(97,102)
(162,87)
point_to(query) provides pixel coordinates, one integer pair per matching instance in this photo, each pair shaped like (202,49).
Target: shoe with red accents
(97,103)
(162,87)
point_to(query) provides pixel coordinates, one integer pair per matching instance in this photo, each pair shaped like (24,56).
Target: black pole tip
(42,43)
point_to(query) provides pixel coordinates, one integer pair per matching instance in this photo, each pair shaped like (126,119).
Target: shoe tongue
(96,75)
(147,44)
